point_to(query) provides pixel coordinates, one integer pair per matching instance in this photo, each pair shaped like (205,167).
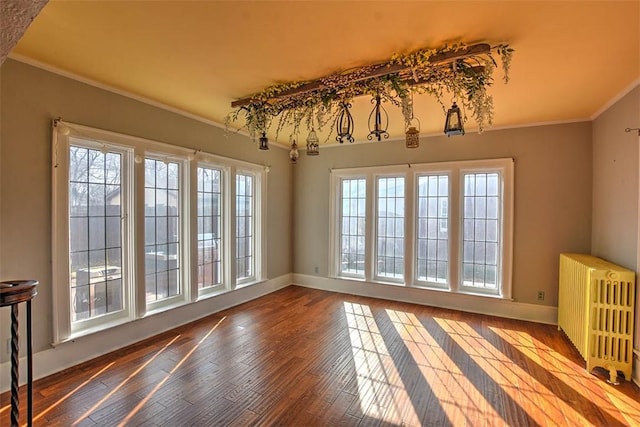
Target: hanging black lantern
(378,121)
(313,143)
(453,124)
(264,142)
(344,124)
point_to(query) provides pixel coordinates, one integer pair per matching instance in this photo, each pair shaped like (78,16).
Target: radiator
(596,309)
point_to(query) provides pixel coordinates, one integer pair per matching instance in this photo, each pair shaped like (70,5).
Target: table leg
(15,384)
(29,368)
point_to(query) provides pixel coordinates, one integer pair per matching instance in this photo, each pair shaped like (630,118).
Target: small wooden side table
(12,293)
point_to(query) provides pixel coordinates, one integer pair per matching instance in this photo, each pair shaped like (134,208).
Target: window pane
(390,228)
(352,230)
(433,228)
(209,227)
(95,233)
(162,232)
(244,227)
(481,234)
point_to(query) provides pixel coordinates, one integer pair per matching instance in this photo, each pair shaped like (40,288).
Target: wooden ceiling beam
(384,69)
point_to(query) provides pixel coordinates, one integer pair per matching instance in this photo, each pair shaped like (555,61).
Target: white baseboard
(469,303)
(85,348)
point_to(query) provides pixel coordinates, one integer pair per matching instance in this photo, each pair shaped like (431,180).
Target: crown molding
(130,95)
(615,99)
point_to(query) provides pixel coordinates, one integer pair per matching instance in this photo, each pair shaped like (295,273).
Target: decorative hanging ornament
(344,124)
(453,124)
(264,141)
(293,153)
(313,143)
(413,133)
(378,121)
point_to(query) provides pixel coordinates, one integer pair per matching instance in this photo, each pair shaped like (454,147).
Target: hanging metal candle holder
(344,124)
(264,141)
(313,143)
(453,124)
(378,121)
(413,133)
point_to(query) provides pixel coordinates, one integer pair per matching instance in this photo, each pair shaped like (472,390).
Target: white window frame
(377,277)
(135,150)
(63,326)
(210,162)
(504,167)
(411,172)
(183,226)
(258,219)
(425,170)
(335,206)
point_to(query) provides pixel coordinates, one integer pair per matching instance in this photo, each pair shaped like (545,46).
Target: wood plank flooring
(307,357)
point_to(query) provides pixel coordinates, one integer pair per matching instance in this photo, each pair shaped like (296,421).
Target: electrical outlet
(540,295)
(315,270)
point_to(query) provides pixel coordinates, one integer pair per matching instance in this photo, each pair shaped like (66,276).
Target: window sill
(423,287)
(167,307)
(92,330)
(219,290)
(247,284)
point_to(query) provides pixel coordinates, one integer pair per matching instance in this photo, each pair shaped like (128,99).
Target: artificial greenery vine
(466,80)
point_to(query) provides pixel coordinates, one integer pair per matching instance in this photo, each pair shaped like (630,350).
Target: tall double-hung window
(141,226)
(444,226)
(97,196)
(352,222)
(210,223)
(163,222)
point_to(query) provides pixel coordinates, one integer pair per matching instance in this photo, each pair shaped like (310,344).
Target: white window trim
(225,174)
(374,228)
(258,218)
(413,279)
(454,169)
(63,328)
(505,168)
(137,149)
(335,206)
(185,234)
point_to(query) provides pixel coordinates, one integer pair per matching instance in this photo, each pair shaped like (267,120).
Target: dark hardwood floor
(307,357)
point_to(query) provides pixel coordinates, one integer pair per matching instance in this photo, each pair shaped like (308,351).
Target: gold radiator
(595,309)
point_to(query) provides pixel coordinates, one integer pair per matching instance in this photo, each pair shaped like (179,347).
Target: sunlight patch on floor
(564,370)
(516,383)
(449,384)
(123,382)
(72,392)
(381,391)
(175,368)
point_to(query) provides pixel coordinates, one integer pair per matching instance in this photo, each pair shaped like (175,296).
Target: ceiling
(571,57)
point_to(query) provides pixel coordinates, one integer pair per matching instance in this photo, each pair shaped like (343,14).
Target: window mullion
(231,260)
(455,227)
(227,224)
(191,241)
(370,221)
(139,289)
(409,228)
